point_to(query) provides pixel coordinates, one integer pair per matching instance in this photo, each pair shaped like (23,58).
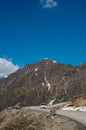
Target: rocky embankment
(21,119)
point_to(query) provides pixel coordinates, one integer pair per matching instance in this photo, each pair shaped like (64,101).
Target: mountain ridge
(42,82)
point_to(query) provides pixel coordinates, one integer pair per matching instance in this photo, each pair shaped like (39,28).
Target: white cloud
(48,3)
(7,67)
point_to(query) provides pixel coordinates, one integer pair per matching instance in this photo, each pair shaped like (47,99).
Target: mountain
(42,82)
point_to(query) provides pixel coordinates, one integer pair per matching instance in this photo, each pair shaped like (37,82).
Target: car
(43,106)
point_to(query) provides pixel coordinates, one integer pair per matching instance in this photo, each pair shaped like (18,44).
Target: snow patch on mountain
(52,102)
(36,74)
(46,58)
(43,84)
(47,83)
(36,69)
(27,71)
(74,108)
(54,61)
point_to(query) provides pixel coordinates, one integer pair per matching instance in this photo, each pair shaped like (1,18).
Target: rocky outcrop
(79,100)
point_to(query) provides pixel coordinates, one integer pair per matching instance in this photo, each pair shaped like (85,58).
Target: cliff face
(42,82)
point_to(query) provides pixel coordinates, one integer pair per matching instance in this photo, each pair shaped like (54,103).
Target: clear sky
(31,30)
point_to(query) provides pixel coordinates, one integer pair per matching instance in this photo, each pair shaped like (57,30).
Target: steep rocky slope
(13,119)
(42,82)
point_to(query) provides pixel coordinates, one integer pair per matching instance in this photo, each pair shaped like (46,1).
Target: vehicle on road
(43,106)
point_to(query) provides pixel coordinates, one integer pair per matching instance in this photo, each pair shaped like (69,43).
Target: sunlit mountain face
(42,82)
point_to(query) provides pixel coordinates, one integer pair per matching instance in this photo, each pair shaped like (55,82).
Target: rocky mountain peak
(41,82)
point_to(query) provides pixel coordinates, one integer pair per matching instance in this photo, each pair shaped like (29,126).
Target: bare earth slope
(13,119)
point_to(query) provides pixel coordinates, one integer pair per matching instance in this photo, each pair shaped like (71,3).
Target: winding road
(77,116)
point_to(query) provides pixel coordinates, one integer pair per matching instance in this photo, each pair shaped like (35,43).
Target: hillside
(42,82)
(13,119)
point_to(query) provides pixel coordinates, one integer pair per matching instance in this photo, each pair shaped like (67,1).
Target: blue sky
(31,30)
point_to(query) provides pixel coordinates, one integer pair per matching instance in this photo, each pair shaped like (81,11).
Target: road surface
(77,116)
